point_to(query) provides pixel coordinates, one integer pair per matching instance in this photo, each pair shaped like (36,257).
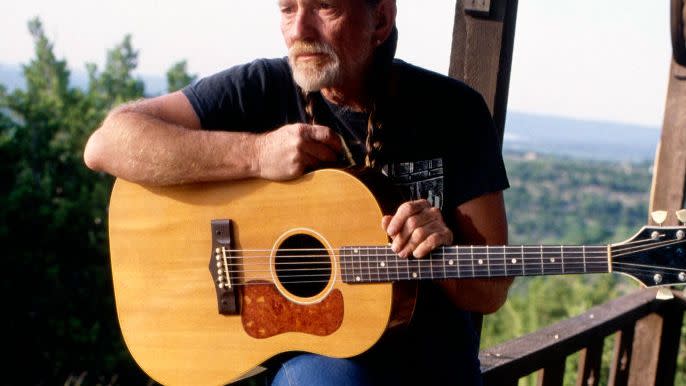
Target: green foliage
(564,201)
(52,219)
(178,77)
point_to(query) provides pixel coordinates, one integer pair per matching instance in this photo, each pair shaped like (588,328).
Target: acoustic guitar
(213,279)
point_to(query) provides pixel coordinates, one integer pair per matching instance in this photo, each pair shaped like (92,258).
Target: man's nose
(305,25)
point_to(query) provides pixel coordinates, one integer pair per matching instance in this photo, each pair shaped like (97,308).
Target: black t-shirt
(439,143)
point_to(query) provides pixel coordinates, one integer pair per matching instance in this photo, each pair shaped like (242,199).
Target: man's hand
(291,150)
(416,229)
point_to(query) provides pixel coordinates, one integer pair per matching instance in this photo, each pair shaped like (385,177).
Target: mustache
(306,48)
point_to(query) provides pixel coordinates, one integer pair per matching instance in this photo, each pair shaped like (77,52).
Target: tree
(53,212)
(178,77)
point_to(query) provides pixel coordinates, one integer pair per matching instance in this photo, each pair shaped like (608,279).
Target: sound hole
(303,265)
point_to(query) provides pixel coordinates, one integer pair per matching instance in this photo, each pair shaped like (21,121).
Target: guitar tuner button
(682,276)
(655,235)
(680,235)
(657,278)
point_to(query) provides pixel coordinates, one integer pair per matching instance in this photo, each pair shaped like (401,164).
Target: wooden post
(553,374)
(590,360)
(667,191)
(621,358)
(481,56)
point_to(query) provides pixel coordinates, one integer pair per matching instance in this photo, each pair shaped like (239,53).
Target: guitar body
(166,297)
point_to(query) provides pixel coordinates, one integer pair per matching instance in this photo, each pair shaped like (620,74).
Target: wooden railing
(647,334)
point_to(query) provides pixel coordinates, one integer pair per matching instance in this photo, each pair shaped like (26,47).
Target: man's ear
(385,20)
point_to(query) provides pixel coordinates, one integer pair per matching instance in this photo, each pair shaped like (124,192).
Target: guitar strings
(388,279)
(504,250)
(421,266)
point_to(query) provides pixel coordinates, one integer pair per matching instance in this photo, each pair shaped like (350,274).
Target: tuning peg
(681,215)
(659,216)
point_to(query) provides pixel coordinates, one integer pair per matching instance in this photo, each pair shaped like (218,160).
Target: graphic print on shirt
(419,179)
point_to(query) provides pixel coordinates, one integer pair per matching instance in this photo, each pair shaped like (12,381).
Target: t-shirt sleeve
(477,160)
(233,99)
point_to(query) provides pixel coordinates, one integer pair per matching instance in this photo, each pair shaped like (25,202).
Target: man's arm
(481,221)
(158,141)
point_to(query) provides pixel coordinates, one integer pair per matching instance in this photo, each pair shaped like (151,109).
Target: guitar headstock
(655,256)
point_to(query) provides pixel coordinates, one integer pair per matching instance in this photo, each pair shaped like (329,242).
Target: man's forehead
(329,2)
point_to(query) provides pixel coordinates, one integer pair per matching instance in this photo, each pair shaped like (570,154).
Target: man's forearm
(142,148)
(484,296)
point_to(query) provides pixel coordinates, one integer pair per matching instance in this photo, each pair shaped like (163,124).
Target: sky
(602,60)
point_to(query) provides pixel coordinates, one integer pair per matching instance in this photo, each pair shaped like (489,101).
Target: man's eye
(325,6)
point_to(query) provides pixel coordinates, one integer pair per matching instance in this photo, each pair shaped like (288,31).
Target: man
(341,99)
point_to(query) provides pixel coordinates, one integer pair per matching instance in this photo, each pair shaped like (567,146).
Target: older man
(341,99)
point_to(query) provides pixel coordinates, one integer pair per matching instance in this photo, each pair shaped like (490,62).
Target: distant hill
(524,132)
(579,138)
(12,77)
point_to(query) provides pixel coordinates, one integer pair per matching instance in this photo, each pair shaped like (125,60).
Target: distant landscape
(565,137)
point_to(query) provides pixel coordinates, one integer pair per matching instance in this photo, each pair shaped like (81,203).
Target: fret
(574,260)
(341,264)
(391,264)
(552,264)
(444,262)
(514,260)
(480,262)
(471,259)
(465,268)
(367,263)
(420,267)
(497,266)
(386,261)
(583,251)
(453,262)
(372,270)
(431,265)
(562,258)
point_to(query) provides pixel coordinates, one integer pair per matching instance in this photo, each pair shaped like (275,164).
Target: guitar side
(160,245)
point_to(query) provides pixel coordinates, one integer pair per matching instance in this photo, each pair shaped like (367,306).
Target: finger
(326,136)
(417,236)
(404,212)
(409,231)
(385,221)
(432,242)
(319,151)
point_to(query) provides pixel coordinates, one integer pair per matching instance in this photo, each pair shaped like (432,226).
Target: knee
(311,369)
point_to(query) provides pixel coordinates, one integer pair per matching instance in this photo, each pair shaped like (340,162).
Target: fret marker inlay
(451,262)
(480,262)
(414,275)
(514,261)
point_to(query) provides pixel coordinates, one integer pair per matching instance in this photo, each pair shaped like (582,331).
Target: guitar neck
(374,264)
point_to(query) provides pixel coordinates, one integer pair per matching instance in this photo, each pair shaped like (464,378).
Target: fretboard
(369,264)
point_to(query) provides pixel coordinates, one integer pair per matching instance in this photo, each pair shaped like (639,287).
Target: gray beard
(313,78)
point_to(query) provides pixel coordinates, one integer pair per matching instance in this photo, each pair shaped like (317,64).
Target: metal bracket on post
(477,7)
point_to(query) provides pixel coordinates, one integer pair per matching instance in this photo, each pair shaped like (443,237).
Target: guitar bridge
(222,268)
